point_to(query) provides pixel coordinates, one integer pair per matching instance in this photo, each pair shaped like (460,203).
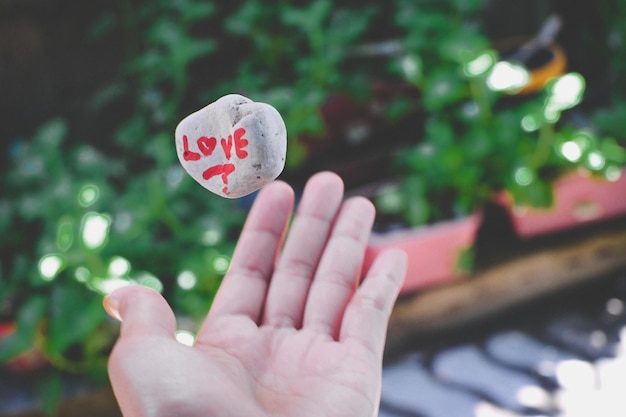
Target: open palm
(290,333)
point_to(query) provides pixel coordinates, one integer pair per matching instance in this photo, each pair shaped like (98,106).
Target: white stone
(233,146)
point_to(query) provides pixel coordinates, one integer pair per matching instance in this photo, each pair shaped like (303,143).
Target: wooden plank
(506,285)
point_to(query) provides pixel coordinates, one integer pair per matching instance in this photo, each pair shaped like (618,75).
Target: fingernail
(112,307)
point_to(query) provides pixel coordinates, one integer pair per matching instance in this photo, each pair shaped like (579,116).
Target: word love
(249,154)
(208,145)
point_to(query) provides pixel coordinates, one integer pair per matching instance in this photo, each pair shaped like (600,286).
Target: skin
(292,332)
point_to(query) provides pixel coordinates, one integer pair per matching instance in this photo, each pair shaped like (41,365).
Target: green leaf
(347,25)
(398,108)
(465,260)
(391,200)
(463,45)
(537,194)
(50,393)
(439,133)
(28,318)
(308,19)
(75,313)
(51,134)
(411,66)
(417,211)
(103,25)
(65,233)
(417,207)
(611,120)
(613,151)
(161,150)
(478,144)
(443,88)
(196,11)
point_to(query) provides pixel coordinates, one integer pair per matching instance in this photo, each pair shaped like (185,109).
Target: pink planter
(433,250)
(579,199)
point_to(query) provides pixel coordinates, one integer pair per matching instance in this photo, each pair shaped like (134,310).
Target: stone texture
(233,146)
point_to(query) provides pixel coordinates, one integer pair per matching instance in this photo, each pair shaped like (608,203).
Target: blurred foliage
(611,118)
(82,215)
(295,60)
(478,140)
(96,197)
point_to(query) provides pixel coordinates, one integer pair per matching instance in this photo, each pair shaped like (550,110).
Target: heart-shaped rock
(233,146)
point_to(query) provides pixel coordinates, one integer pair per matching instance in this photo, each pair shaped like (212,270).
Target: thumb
(142,312)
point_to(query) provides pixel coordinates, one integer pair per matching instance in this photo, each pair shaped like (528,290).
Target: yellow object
(541,75)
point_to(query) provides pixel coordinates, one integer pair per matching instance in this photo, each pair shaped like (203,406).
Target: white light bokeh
(82,274)
(564,93)
(185,337)
(211,237)
(148,280)
(596,160)
(533,396)
(613,173)
(530,123)
(88,195)
(119,266)
(95,230)
(524,176)
(411,67)
(576,375)
(480,65)
(220,263)
(571,151)
(615,306)
(49,266)
(506,76)
(108,285)
(186,280)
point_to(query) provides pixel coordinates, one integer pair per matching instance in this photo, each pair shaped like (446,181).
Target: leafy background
(92,194)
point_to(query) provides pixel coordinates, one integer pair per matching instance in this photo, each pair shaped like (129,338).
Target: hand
(291,333)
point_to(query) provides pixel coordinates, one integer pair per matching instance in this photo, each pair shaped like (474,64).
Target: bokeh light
(185,337)
(571,151)
(508,77)
(186,280)
(95,230)
(530,123)
(563,93)
(524,176)
(212,236)
(613,173)
(148,280)
(119,266)
(82,274)
(107,285)
(220,263)
(480,65)
(88,195)
(596,161)
(412,68)
(50,265)
(65,233)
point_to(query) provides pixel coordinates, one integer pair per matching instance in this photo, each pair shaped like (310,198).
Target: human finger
(244,287)
(366,316)
(303,248)
(142,312)
(340,266)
